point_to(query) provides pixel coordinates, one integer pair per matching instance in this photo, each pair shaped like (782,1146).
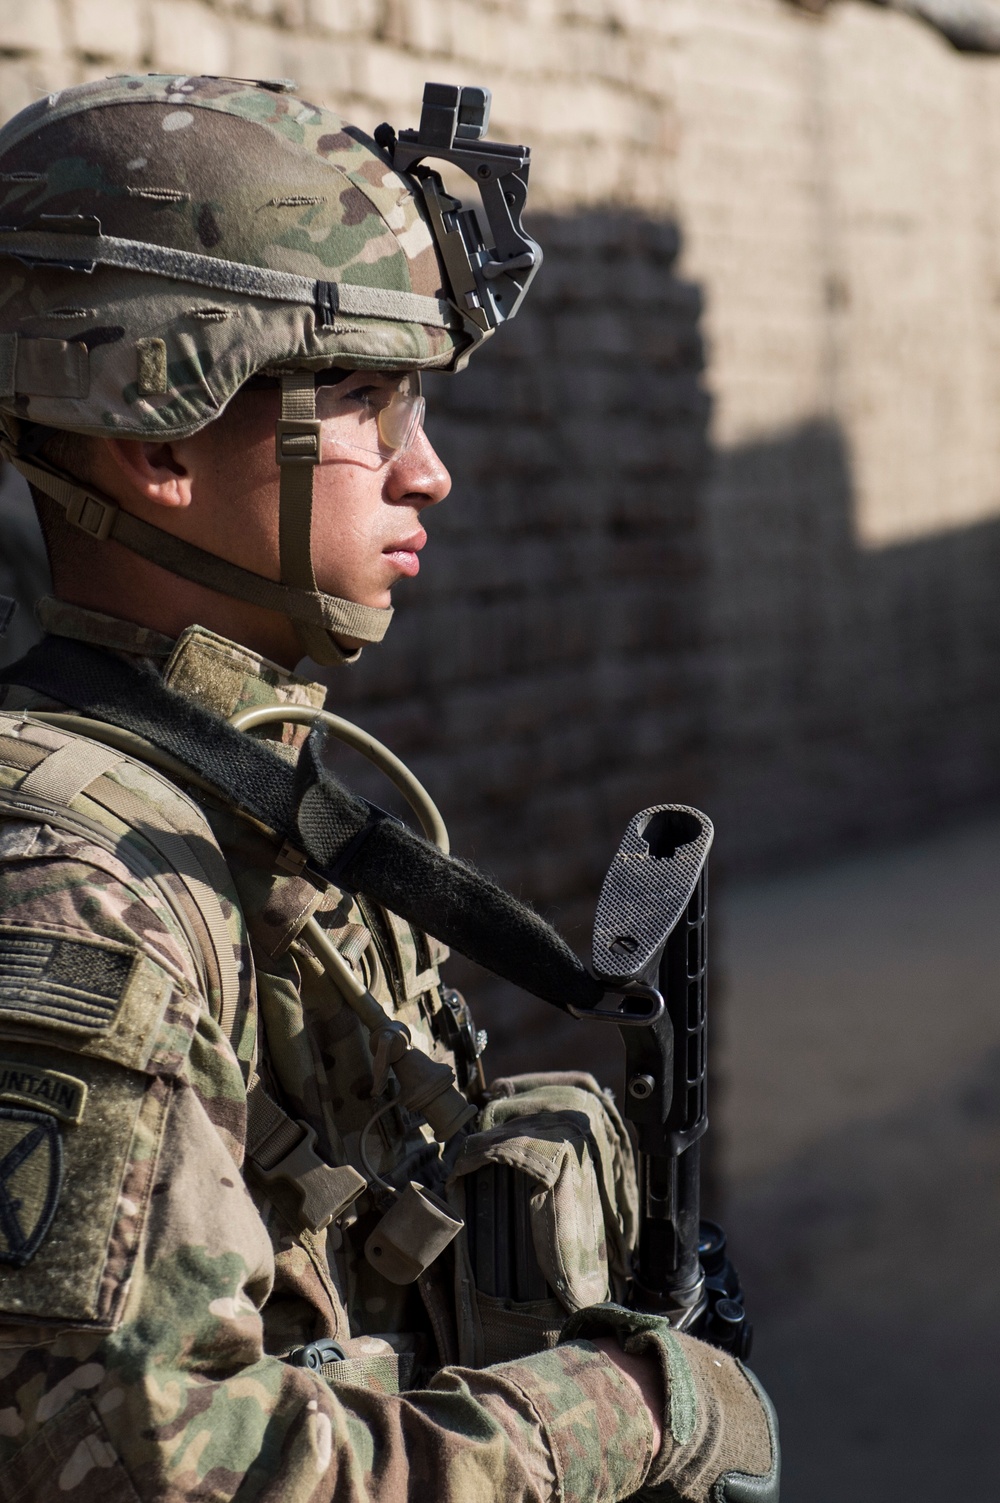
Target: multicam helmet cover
(164,239)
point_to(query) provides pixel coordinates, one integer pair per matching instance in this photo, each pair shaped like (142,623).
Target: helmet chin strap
(318,618)
(298,442)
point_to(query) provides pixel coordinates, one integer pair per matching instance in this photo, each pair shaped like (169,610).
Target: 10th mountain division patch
(31,1164)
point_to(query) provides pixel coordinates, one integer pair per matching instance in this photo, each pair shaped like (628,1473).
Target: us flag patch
(48,979)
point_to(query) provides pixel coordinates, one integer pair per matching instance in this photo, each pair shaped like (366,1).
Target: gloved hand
(720,1434)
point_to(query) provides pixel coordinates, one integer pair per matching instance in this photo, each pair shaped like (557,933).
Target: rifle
(650,937)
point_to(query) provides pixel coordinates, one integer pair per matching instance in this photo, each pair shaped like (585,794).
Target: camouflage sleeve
(134,1264)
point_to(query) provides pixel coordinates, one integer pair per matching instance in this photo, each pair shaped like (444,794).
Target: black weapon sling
(347,840)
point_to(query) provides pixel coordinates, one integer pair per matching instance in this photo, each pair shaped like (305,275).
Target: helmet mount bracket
(487,284)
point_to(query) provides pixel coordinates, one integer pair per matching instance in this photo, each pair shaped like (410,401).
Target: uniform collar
(60,619)
(218,674)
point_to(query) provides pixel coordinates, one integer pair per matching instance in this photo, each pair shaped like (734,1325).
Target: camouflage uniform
(157,1267)
(142,1359)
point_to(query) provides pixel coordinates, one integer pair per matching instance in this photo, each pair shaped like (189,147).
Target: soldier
(263,1232)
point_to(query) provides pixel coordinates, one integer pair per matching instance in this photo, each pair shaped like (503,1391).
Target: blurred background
(725,530)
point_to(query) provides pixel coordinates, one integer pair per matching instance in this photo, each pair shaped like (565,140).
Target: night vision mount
(487,284)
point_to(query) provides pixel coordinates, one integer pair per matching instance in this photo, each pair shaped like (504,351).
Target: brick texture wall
(837,188)
(769,587)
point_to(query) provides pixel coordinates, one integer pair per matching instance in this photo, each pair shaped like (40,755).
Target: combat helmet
(166,239)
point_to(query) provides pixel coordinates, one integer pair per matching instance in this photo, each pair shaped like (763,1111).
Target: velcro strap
(271,1133)
(352,941)
(84,252)
(384,1372)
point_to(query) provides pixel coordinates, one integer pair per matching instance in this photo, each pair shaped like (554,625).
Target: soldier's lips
(404,555)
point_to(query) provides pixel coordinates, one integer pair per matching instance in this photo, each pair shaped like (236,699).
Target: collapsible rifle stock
(650,942)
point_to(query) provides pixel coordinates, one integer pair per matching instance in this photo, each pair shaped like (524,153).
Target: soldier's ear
(154,470)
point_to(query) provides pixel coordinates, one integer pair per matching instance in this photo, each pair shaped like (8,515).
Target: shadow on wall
(857,692)
(547,676)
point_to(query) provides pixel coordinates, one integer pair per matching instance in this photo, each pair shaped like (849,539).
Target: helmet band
(83,252)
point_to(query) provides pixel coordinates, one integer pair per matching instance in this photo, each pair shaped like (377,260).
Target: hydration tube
(397,772)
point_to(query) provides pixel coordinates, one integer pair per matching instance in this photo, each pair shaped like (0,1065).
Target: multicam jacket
(151,1279)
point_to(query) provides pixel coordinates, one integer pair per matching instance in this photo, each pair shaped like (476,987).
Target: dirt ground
(861,1119)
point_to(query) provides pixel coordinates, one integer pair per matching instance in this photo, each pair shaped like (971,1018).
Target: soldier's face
(367,531)
(219,489)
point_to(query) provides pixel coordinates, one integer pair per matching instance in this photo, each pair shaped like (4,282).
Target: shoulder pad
(74,782)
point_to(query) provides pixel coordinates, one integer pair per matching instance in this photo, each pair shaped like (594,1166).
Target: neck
(119,583)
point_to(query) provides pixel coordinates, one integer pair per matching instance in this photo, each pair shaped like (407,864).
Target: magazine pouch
(546,1188)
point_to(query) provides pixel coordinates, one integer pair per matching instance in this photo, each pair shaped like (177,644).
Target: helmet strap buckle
(297,441)
(92,514)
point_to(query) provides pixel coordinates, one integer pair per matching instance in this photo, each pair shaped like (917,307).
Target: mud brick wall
(838,192)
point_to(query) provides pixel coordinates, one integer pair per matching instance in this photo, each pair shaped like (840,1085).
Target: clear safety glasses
(369,418)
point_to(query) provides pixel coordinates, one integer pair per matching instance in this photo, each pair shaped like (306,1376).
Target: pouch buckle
(324,1191)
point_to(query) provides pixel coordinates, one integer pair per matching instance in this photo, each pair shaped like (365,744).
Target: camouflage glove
(720,1435)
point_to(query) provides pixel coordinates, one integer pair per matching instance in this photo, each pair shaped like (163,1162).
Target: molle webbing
(348,842)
